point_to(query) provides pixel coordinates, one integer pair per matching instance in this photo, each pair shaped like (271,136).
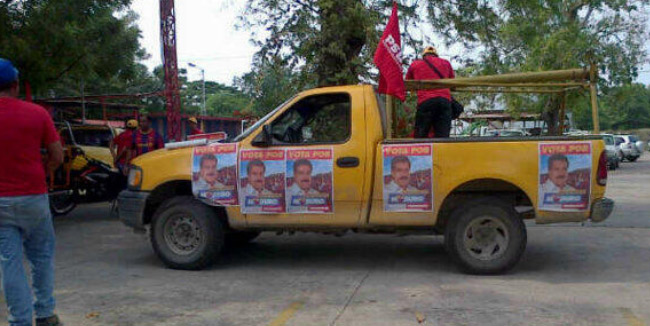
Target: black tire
(186,234)
(633,158)
(62,204)
(239,238)
(508,231)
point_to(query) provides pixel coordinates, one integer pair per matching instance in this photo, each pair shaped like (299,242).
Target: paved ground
(570,275)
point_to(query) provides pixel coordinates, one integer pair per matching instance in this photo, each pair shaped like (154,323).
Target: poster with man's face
(261,181)
(408,177)
(564,176)
(214,174)
(309,181)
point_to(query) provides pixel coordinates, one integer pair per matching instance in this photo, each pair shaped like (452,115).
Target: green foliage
(621,108)
(523,35)
(330,42)
(270,83)
(62,42)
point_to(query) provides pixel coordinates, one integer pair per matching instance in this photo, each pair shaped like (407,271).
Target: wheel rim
(62,204)
(183,234)
(486,238)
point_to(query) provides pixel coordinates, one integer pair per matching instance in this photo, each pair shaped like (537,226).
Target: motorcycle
(83,180)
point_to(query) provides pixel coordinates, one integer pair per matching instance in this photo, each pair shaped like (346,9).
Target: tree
(68,45)
(331,41)
(522,35)
(270,83)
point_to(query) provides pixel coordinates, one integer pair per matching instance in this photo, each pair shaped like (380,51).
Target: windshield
(92,137)
(634,139)
(257,124)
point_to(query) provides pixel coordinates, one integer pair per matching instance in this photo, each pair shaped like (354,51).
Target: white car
(631,146)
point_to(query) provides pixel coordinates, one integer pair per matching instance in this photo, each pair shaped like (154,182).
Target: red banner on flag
(388,59)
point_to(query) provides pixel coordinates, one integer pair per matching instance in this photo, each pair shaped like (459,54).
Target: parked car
(612,150)
(630,146)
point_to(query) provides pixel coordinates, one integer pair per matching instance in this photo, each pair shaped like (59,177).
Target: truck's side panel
(457,163)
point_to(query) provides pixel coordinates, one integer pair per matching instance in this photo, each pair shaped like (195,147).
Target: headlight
(135,177)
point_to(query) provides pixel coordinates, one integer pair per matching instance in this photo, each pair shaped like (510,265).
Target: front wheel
(486,236)
(62,202)
(186,234)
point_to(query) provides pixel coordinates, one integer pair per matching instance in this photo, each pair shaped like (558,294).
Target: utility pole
(204,110)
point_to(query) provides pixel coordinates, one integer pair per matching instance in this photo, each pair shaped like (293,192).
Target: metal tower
(172,95)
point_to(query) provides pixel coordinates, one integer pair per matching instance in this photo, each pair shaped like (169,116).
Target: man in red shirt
(119,145)
(434,106)
(145,139)
(194,126)
(25,219)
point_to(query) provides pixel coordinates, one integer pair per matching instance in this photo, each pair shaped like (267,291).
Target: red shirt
(196,131)
(123,141)
(146,142)
(420,70)
(25,128)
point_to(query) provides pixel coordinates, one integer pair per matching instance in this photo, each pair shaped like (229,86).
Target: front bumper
(130,207)
(601,209)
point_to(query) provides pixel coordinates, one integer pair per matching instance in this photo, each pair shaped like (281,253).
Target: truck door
(321,122)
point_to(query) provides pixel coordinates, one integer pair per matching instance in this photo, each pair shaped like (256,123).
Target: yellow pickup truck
(320,162)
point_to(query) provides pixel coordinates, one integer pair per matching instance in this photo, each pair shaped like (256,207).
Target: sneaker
(49,321)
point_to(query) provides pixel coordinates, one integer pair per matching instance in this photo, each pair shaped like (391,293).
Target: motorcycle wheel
(62,204)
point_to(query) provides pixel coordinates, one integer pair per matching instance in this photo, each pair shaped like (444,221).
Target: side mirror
(263,139)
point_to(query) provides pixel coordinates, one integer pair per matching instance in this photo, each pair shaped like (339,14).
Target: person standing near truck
(434,105)
(119,145)
(25,219)
(194,127)
(145,139)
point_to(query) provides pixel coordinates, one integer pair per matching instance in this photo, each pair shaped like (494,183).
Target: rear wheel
(633,158)
(186,234)
(486,236)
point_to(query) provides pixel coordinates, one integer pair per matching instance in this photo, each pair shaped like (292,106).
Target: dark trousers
(436,113)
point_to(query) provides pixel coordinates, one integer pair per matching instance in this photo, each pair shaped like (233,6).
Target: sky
(206,36)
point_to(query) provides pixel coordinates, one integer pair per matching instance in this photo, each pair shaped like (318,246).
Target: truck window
(318,119)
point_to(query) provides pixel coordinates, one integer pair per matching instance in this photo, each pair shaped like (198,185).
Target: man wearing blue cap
(25,219)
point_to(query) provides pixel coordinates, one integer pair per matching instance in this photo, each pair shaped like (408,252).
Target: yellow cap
(430,50)
(193,120)
(132,123)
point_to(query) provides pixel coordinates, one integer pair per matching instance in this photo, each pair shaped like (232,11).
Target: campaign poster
(564,176)
(408,177)
(261,181)
(309,181)
(214,174)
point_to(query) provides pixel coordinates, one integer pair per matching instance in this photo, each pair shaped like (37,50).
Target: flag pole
(390,110)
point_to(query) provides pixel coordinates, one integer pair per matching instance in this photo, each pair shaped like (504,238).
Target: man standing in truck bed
(434,105)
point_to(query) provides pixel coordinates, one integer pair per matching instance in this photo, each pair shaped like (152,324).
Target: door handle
(347,162)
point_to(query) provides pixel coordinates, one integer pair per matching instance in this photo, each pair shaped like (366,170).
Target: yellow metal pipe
(413,85)
(593,76)
(517,91)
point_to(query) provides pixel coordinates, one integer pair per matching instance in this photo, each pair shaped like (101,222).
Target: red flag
(388,59)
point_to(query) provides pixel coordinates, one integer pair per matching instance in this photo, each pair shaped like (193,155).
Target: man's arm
(54,155)
(451,71)
(409,72)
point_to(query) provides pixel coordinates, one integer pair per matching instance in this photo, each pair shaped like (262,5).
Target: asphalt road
(571,274)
